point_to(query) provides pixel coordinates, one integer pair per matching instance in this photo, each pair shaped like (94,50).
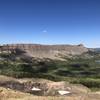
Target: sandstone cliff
(45,51)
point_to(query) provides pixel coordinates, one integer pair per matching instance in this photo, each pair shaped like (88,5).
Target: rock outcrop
(45,51)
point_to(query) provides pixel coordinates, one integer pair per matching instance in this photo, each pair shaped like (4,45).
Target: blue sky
(50,22)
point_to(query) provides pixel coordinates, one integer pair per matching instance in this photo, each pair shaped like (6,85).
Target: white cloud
(44,31)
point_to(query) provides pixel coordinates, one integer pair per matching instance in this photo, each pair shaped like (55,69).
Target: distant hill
(45,51)
(95,50)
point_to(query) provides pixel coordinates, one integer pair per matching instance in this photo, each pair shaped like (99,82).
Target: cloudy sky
(50,22)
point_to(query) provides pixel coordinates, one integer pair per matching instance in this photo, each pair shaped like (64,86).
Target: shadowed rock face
(46,51)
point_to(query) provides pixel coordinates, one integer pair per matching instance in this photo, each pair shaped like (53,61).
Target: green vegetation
(79,69)
(92,83)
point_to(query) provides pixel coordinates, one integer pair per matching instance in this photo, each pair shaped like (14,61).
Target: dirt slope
(78,92)
(8,94)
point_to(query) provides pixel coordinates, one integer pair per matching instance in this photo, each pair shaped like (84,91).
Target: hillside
(35,65)
(45,51)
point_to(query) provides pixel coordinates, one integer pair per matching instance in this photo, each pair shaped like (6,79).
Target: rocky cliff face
(46,51)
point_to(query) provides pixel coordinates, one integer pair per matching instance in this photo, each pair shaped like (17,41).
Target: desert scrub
(89,82)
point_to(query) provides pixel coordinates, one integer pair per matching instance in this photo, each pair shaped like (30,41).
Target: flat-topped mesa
(46,51)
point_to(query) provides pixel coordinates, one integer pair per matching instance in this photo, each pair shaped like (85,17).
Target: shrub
(91,83)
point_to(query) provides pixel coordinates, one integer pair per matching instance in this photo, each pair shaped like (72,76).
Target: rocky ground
(9,91)
(8,94)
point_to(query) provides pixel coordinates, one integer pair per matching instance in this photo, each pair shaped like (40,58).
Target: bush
(90,83)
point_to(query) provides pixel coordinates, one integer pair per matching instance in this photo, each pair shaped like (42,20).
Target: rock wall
(46,51)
